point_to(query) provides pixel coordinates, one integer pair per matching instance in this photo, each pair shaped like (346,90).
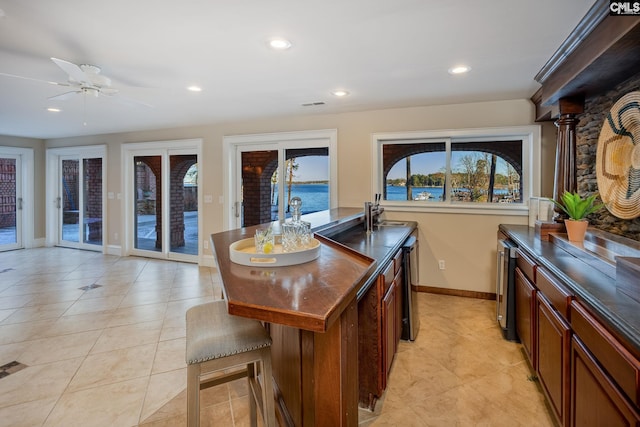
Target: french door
(16,199)
(162,201)
(76,181)
(267,170)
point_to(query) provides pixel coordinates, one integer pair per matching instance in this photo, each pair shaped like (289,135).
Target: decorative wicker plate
(244,252)
(618,158)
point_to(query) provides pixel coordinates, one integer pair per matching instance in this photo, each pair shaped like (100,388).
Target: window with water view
(478,171)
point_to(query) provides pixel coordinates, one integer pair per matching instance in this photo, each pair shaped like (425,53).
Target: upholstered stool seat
(217,341)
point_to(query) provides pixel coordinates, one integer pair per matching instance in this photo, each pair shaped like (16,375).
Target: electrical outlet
(441,264)
(206,244)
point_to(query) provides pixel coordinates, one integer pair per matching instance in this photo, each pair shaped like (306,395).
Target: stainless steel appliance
(505,289)
(410,316)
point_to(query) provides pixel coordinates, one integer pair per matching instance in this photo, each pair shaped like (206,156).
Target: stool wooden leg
(251,375)
(268,405)
(193,395)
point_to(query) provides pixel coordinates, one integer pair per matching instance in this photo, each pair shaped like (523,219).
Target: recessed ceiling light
(53,110)
(279,44)
(459,69)
(194,89)
(340,93)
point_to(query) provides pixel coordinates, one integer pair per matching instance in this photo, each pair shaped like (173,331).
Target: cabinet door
(595,400)
(525,295)
(553,358)
(389,316)
(399,301)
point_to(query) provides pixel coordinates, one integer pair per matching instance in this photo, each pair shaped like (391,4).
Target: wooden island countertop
(308,296)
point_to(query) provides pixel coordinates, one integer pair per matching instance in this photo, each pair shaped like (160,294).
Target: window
(466,169)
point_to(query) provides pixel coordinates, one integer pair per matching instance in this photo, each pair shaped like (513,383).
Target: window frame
(529,135)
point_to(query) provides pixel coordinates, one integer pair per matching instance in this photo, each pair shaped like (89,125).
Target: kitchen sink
(388,223)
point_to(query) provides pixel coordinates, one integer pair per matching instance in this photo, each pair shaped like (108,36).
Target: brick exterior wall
(587,134)
(7,192)
(257,169)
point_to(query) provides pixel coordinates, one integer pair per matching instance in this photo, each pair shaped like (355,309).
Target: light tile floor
(113,355)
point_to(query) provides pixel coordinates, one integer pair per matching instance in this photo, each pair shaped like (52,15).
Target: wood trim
(456,292)
(594,16)
(600,52)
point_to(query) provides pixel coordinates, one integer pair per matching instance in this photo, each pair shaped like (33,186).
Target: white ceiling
(386,53)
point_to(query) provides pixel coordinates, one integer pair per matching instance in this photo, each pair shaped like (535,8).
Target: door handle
(237,209)
(19,203)
(58,202)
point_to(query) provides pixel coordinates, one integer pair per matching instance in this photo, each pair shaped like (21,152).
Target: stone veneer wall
(587,133)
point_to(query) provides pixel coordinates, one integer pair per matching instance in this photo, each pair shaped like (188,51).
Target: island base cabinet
(595,400)
(315,373)
(553,358)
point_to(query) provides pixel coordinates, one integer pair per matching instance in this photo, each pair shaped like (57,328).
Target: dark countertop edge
(591,286)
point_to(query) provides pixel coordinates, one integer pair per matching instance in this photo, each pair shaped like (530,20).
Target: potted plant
(577,208)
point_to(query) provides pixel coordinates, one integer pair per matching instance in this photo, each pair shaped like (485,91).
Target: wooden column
(565,173)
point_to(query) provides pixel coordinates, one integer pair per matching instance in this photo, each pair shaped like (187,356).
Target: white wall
(466,242)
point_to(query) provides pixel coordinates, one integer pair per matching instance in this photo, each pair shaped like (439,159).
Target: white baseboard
(39,243)
(114,250)
(207,261)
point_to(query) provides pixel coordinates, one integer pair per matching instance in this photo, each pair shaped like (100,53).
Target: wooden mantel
(601,52)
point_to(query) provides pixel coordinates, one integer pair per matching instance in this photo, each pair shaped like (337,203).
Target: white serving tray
(244,252)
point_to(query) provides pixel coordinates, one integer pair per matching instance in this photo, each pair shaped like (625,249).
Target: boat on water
(425,195)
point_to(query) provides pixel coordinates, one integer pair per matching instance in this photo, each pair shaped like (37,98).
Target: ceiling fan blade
(105,91)
(72,70)
(32,79)
(64,96)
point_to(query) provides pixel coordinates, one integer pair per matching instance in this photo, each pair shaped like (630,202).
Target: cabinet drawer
(621,365)
(557,295)
(527,265)
(397,262)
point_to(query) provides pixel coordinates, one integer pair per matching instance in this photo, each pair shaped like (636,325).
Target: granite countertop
(590,285)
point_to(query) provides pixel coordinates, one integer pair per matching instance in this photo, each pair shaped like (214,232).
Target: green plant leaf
(576,207)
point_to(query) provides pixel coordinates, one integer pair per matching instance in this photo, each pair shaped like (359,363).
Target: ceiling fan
(83,79)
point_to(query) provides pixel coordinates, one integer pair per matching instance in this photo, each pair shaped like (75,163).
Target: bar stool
(217,341)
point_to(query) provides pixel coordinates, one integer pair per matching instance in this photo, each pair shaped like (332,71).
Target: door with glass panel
(165,204)
(10,201)
(269,178)
(80,202)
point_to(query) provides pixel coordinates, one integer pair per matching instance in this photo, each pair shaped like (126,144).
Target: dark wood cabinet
(596,401)
(379,330)
(588,371)
(525,296)
(553,343)
(389,315)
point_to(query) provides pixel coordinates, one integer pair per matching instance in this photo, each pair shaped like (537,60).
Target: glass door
(183,206)
(258,191)
(270,178)
(80,202)
(148,203)
(164,203)
(10,202)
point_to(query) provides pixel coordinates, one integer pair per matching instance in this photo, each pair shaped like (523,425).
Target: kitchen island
(311,311)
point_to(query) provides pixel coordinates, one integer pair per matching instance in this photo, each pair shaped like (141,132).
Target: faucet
(372,211)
